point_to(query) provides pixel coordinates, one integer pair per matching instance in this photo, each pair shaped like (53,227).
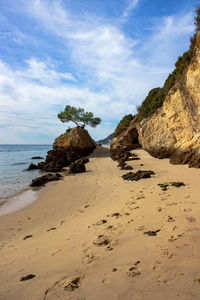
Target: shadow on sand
(100,151)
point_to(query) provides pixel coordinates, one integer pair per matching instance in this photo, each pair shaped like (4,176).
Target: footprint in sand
(101,222)
(116,215)
(134,271)
(140,197)
(187,210)
(174,238)
(140,228)
(52,228)
(172,204)
(57,251)
(27,236)
(156,265)
(110,227)
(152,233)
(101,240)
(63,288)
(170,219)
(191,219)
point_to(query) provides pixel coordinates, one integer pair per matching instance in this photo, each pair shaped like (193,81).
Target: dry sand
(86,236)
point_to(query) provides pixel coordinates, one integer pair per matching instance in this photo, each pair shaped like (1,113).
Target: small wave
(19,164)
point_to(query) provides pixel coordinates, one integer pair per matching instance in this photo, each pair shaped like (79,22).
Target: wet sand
(95,236)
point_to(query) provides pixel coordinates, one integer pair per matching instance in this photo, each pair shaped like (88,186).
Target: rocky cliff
(174,129)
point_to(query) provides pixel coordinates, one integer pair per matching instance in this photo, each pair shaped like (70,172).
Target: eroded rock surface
(42,180)
(173,131)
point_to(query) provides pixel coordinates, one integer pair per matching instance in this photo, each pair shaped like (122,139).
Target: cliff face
(173,131)
(175,127)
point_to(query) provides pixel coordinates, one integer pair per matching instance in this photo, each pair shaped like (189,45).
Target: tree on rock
(78,116)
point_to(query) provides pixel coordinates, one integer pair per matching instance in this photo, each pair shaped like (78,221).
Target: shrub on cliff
(157,96)
(78,116)
(123,124)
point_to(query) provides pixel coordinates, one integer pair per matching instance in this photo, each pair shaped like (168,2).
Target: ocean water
(14,160)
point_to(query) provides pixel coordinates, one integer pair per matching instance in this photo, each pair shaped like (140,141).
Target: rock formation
(42,180)
(77,139)
(67,148)
(173,131)
(126,141)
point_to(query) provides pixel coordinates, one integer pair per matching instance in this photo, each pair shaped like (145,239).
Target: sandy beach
(95,236)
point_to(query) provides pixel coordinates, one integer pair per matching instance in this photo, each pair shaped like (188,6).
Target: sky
(101,55)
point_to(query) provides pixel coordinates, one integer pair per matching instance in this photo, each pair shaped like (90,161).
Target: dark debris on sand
(137,175)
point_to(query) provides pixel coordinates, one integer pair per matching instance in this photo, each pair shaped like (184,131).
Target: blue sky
(103,56)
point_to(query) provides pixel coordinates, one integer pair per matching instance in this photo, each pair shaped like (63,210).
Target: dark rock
(121,164)
(138,175)
(195,161)
(77,167)
(181,157)
(127,168)
(58,158)
(161,152)
(133,158)
(163,186)
(83,160)
(32,167)
(45,178)
(27,277)
(178,157)
(37,157)
(177,184)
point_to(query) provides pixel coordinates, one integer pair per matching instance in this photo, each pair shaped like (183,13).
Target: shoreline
(18,202)
(90,229)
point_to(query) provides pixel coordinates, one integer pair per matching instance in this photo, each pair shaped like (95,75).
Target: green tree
(78,116)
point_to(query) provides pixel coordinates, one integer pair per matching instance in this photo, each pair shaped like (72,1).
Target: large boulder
(77,139)
(67,148)
(77,167)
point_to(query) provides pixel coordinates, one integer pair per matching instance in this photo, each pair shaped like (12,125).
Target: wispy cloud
(130,7)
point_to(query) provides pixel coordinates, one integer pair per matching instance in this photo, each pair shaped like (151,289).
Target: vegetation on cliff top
(78,116)
(123,124)
(156,96)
